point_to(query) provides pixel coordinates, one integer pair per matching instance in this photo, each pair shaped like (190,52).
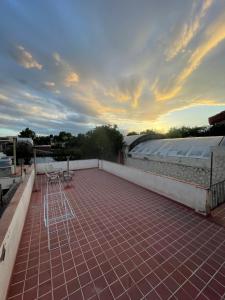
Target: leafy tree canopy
(27,133)
(132,133)
(104,141)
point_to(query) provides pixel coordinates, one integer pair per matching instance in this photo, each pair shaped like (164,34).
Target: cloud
(71,79)
(49,84)
(25,59)
(57,58)
(3,97)
(129,89)
(188,30)
(102,71)
(213,36)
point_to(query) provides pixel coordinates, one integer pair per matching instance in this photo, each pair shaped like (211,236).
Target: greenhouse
(187,159)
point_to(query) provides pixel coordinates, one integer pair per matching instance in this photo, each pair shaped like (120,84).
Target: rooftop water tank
(5,165)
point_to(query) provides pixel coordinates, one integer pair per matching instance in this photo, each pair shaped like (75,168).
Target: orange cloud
(26,59)
(213,37)
(188,31)
(129,90)
(71,79)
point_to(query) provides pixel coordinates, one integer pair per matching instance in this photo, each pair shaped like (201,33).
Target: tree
(218,129)
(152,134)
(184,131)
(27,133)
(42,140)
(23,151)
(102,142)
(132,133)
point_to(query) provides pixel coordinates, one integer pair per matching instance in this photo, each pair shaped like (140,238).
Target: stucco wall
(193,174)
(188,194)
(73,165)
(218,170)
(11,226)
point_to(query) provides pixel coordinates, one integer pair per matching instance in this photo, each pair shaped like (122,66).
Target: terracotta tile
(31,282)
(136,275)
(161,244)
(171,284)
(88,290)
(59,292)
(91,263)
(134,293)
(44,276)
(95,272)
(105,267)
(85,278)
(163,291)
(106,294)
(30,294)
(73,285)
(211,294)
(114,262)
(153,279)
(18,277)
(110,277)
(116,289)
(120,270)
(44,288)
(181,294)
(82,268)
(76,295)
(152,295)
(123,297)
(216,286)
(70,274)
(46,296)
(58,280)
(190,289)
(144,287)
(16,289)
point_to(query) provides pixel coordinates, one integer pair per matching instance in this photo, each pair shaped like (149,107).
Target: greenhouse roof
(194,147)
(129,139)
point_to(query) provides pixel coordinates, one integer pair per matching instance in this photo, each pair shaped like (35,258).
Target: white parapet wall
(11,226)
(62,165)
(191,195)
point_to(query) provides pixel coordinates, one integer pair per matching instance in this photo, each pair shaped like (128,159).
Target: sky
(140,64)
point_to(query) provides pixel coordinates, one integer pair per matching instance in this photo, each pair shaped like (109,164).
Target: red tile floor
(126,243)
(218,215)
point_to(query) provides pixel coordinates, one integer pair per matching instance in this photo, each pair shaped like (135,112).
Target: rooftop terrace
(126,243)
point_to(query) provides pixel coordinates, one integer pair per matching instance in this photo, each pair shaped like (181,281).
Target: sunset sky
(73,65)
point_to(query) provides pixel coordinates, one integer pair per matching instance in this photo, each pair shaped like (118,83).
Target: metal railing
(218,193)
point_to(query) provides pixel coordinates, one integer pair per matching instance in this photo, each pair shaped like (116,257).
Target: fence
(218,194)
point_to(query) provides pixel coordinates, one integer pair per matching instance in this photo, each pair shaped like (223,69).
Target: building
(217,119)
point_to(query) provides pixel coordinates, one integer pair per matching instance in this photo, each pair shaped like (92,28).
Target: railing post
(1,199)
(211,171)
(35,170)
(14,154)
